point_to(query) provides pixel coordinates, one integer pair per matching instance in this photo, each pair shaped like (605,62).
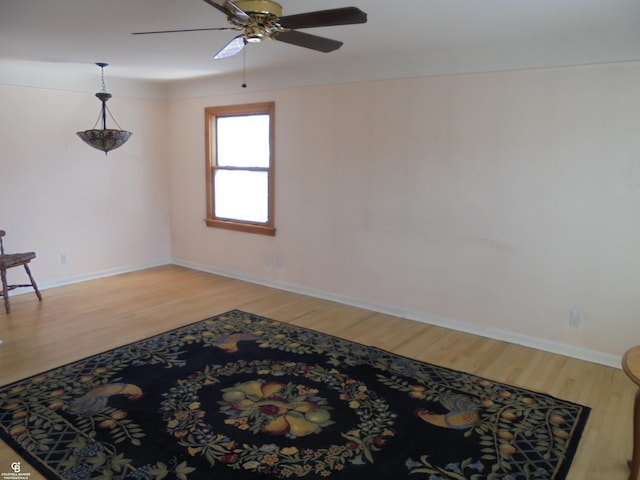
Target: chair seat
(15,259)
(8,260)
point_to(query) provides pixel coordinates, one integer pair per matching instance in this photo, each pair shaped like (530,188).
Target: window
(240,167)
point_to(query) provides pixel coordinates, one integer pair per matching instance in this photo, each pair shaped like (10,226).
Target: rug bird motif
(239,396)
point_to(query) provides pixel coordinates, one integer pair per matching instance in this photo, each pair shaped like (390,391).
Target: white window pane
(242,195)
(243,141)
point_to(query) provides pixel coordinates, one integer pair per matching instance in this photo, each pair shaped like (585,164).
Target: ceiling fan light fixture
(104,139)
(254,34)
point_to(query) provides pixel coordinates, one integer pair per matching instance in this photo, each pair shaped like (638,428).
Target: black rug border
(33,461)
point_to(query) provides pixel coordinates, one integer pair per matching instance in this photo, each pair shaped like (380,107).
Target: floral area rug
(238,396)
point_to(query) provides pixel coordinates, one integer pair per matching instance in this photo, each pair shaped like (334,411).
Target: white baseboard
(89,276)
(86,277)
(493,333)
(546,345)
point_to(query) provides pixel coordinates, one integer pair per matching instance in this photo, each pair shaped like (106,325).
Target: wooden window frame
(210,114)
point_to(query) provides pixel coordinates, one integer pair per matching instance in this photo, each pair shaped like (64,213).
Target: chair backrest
(2,234)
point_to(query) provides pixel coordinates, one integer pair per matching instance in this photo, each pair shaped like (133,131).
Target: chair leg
(634,463)
(5,290)
(33,282)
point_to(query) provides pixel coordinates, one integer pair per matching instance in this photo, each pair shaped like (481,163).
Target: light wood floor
(79,320)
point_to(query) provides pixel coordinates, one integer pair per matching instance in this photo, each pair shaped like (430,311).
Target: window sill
(258,228)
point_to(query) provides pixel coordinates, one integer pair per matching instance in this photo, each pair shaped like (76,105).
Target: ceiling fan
(261,19)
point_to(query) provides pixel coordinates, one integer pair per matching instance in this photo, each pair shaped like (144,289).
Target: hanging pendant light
(104,139)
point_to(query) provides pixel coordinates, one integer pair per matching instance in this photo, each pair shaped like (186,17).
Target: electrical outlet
(64,258)
(575,319)
(280,261)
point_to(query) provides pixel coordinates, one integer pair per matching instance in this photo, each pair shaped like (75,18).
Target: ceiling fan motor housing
(260,6)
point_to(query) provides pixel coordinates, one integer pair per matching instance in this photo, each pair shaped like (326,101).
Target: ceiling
(403,38)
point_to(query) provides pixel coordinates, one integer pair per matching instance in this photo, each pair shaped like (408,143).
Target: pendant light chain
(104,138)
(104,86)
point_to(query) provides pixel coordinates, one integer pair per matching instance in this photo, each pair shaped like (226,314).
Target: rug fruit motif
(239,396)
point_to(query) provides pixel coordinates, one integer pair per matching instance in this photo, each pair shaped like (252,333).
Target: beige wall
(494,203)
(57,195)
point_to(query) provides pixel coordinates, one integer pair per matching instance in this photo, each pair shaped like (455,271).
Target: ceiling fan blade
(301,39)
(232,48)
(237,11)
(185,30)
(324,18)
(230,9)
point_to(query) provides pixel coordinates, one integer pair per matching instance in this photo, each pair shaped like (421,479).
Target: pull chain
(244,67)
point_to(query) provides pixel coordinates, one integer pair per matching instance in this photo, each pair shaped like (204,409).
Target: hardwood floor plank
(83,319)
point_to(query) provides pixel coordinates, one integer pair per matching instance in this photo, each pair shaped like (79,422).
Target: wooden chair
(11,260)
